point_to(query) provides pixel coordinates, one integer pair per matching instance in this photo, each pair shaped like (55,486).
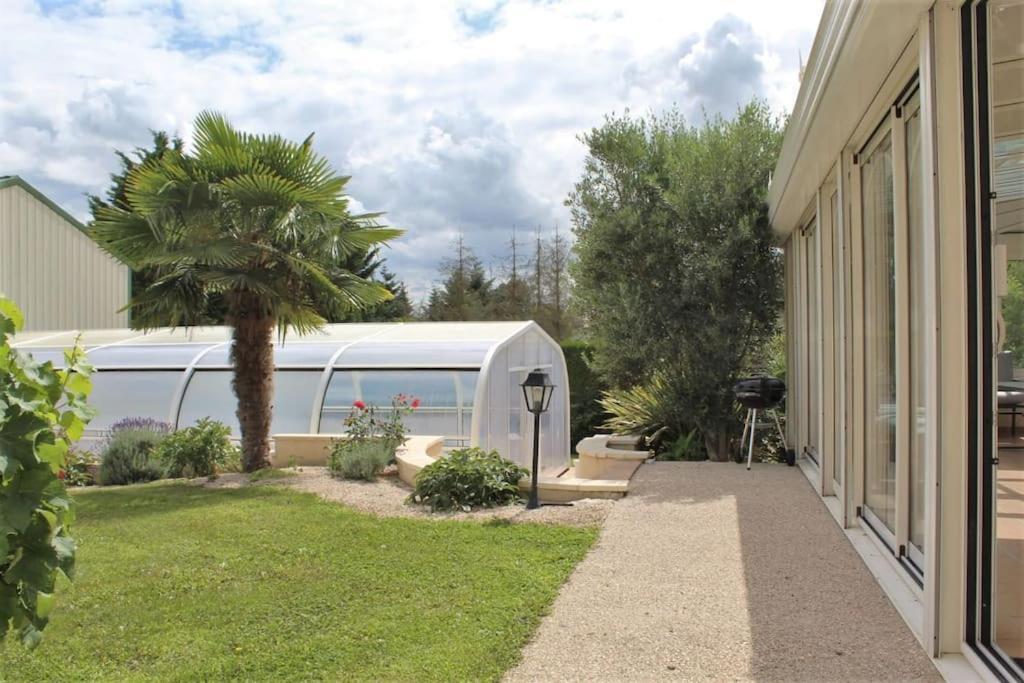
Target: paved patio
(708,571)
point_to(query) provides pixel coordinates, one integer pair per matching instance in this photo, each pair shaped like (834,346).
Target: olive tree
(676,275)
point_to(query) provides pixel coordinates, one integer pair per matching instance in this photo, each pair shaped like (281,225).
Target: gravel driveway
(707,571)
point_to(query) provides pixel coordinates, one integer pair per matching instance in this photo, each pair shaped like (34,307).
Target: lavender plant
(127,456)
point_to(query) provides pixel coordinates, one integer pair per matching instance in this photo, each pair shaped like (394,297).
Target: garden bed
(387,496)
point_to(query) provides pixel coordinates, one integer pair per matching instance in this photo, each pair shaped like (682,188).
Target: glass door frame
(810,381)
(831,198)
(911,105)
(885,129)
(982,451)
(892,123)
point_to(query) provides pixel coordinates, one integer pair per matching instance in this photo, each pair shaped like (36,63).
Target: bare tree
(558,282)
(538,277)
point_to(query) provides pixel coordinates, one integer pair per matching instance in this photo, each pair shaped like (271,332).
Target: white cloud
(451,114)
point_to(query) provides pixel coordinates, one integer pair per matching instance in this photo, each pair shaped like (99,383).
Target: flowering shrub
(142,424)
(373,437)
(368,421)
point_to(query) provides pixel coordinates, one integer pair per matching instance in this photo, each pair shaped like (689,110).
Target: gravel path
(707,571)
(387,496)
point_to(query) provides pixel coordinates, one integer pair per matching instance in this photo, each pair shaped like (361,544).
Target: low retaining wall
(608,457)
(310,450)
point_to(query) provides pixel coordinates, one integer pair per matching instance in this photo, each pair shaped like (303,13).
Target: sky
(452,116)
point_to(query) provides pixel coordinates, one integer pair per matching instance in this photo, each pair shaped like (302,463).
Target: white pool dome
(466,375)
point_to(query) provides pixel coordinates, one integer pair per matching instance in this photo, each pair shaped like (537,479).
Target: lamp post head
(537,390)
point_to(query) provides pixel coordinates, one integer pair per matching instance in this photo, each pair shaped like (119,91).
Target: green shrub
(128,454)
(360,458)
(76,470)
(689,447)
(199,451)
(43,411)
(587,415)
(468,478)
(650,409)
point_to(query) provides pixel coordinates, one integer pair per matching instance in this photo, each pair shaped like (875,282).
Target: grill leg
(746,427)
(778,426)
(753,431)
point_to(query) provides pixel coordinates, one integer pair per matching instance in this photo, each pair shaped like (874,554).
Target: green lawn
(176,582)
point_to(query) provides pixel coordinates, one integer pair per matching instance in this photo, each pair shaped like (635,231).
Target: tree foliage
(466,293)
(1013,312)
(370,266)
(257,220)
(42,412)
(530,284)
(586,388)
(676,274)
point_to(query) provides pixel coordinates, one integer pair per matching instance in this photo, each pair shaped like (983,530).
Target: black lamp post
(537,390)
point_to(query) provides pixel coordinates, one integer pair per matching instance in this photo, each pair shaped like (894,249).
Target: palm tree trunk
(252,355)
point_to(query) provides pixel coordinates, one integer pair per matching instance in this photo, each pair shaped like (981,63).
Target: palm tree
(256,220)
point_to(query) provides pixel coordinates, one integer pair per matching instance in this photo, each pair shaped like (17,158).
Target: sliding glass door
(813,336)
(897,373)
(993,84)
(838,445)
(878,229)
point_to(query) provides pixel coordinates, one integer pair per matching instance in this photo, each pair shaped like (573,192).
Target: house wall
(52,270)
(894,46)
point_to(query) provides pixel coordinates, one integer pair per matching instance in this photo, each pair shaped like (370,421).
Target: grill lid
(759,392)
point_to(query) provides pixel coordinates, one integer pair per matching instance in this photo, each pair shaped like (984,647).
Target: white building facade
(899,201)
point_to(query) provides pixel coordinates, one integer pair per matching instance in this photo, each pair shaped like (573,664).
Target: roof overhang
(855,48)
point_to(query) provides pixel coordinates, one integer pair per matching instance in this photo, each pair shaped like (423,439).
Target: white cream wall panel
(856,46)
(58,276)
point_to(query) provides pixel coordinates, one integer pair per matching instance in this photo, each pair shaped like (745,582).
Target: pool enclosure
(466,375)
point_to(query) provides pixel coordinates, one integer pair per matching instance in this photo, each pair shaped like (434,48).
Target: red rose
(415,403)
(360,405)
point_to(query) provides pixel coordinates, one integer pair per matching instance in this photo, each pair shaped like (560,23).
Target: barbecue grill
(765,394)
(759,392)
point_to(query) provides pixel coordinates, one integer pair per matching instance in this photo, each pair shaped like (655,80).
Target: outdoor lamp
(537,390)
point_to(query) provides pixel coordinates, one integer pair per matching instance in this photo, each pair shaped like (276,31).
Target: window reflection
(1006,54)
(445,399)
(879,331)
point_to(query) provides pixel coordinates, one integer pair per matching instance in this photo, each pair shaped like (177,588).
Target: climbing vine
(43,410)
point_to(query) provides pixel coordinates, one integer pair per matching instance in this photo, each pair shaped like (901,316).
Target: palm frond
(225,253)
(124,235)
(212,129)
